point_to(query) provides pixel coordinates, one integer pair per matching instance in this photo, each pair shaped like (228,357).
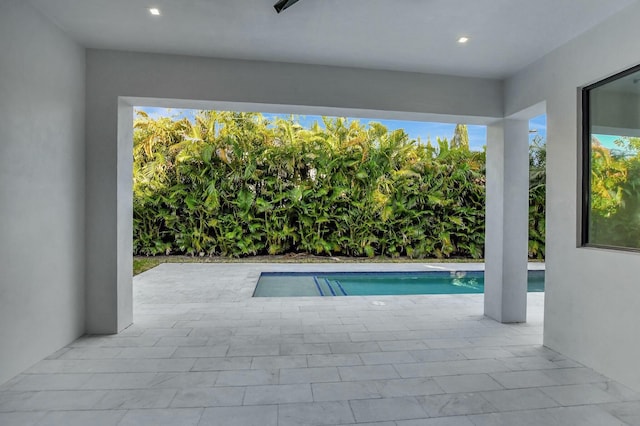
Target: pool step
(326,288)
(318,286)
(333,292)
(340,287)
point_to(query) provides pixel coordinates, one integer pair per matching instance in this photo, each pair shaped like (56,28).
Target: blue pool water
(335,284)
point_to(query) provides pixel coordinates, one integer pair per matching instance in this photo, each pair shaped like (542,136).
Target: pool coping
(374,267)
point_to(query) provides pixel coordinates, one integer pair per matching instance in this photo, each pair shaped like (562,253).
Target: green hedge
(237,184)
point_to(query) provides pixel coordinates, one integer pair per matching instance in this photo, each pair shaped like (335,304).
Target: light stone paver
(309,375)
(369,410)
(367,372)
(456,404)
(221,364)
(334,360)
(582,416)
(518,399)
(523,379)
(277,394)
(451,368)
(372,424)
(467,383)
(354,347)
(247,377)
(483,353)
(249,349)
(528,363)
(439,421)
(90,353)
(60,400)
(345,391)
(266,415)
(208,397)
(431,355)
(162,417)
(408,387)
(620,392)
(147,353)
(316,414)
(21,418)
(140,398)
(202,351)
(166,332)
(39,382)
(628,412)
(578,394)
(574,376)
(304,348)
(81,418)
(402,345)
(120,381)
(184,380)
(375,358)
(278,362)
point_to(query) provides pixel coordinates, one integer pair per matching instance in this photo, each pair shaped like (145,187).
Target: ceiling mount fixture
(154,11)
(284,4)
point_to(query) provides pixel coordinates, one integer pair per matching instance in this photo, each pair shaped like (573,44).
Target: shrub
(237,184)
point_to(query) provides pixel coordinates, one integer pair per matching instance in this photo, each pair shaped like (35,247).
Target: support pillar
(109,212)
(507,218)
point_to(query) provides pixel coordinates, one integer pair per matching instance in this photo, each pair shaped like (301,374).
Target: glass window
(611,168)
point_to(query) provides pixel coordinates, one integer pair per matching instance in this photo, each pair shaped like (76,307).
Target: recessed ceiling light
(154,11)
(463,40)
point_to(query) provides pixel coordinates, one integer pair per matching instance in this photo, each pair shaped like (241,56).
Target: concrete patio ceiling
(404,35)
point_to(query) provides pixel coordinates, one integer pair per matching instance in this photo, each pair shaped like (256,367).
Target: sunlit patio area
(203,351)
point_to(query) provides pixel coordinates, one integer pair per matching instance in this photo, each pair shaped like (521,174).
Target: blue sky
(608,141)
(538,126)
(415,129)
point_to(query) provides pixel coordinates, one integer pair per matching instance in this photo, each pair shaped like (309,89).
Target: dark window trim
(586,168)
(586,161)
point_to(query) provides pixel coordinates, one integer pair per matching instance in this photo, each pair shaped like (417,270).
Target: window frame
(585,151)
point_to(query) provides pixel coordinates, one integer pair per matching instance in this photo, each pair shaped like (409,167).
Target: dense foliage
(537,191)
(238,184)
(615,194)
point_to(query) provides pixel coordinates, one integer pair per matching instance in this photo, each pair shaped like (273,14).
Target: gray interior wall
(41,188)
(614,110)
(113,76)
(592,295)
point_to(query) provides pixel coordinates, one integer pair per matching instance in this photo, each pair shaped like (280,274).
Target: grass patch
(141,264)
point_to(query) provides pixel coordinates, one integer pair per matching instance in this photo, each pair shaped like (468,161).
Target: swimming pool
(336,284)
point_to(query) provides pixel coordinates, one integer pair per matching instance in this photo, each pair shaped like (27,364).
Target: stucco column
(109,210)
(507,210)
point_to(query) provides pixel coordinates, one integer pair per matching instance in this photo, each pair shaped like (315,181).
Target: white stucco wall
(41,188)
(592,311)
(113,78)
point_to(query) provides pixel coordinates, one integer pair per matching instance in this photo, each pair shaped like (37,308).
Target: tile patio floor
(203,352)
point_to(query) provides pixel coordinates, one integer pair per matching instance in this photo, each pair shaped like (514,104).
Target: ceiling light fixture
(463,40)
(283,4)
(154,11)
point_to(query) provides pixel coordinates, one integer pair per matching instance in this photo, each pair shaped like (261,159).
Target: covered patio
(173,347)
(202,351)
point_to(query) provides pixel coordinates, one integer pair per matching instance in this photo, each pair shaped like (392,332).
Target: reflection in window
(611,203)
